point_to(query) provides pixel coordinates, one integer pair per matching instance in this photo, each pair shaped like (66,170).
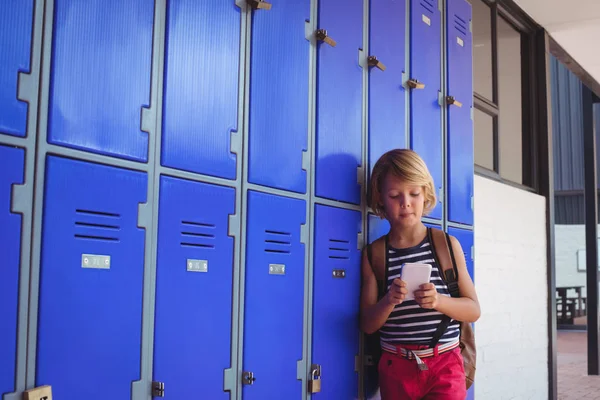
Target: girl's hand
(397,292)
(427,296)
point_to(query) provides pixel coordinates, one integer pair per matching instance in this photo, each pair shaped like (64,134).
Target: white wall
(567,240)
(510,278)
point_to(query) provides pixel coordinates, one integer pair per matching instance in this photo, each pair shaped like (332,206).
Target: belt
(414,354)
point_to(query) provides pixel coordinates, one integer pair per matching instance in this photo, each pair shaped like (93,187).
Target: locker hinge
(471,26)
(440,5)
(440,195)
(472,203)
(248,378)
(25,87)
(158,389)
(19,200)
(473,253)
(357,360)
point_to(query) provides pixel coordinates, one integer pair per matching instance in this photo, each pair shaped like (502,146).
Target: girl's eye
(415,194)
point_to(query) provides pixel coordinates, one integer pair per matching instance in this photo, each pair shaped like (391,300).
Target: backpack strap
(380,258)
(444,256)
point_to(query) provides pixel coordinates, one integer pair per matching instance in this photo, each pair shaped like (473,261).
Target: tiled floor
(573,381)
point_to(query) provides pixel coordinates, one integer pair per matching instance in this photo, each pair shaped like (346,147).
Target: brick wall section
(510,277)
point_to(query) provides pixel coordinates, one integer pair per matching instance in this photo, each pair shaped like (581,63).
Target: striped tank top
(409,323)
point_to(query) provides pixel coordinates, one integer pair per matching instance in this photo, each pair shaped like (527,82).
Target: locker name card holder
(197,265)
(95,261)
(276,269)
(339,273)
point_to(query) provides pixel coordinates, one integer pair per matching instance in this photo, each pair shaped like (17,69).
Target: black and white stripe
(409,323)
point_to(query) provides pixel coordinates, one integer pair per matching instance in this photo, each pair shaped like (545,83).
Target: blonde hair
(406,165)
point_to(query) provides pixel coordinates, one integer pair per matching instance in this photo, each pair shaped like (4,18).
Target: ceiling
(574,25)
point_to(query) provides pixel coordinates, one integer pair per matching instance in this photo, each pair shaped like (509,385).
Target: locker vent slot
(197,234)
(460,24)
(277,241)
(339,249)
(428,5)
(97,225)
(99,213)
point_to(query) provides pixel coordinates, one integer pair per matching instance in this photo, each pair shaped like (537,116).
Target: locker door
(193,288)
(12,166)
(425,66)
(460,124)
(274,296)
(100,76)
(466,239)
(339,101)
(387,129)
(16,19)
(200,110)
(279,96)
(92,267)
(335,335)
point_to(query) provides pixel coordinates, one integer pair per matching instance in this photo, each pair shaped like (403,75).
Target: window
(502,122)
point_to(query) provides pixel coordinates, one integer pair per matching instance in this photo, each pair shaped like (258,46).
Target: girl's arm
(464,308)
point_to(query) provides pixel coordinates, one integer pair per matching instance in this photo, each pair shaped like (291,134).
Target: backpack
(444,256)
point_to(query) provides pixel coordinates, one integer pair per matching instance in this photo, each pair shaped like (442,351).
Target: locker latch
(415,84)
(158,389)
(314,383)
(248,378)
(323,37)
(259,4)
(452,101)
(374,62)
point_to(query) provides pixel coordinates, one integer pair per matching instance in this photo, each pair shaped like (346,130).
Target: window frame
(527,28)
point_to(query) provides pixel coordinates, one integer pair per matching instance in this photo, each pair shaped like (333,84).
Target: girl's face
(403,203)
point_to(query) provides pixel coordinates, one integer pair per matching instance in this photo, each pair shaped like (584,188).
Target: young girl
(402,191)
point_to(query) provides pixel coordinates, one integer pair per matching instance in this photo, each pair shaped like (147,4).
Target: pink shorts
(400,378)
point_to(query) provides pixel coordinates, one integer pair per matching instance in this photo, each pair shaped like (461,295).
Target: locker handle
(259,4)
(415,84)
(323,37)
(452,101)
(374,62)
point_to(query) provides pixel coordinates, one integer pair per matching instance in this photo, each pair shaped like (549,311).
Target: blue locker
(460,124)
(100,76)
(274,296)
(279,96)
(12,166)
(91,279)
(466,239)
(193,288)
(387,129)
(377,227)
(339,101)
(200,109)
(16,19)
(425,111)
(336,279)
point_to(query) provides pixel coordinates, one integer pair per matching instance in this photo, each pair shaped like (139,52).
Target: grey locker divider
(444,86)
(22,195)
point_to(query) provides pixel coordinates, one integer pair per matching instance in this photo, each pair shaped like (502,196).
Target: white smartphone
(415,275)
